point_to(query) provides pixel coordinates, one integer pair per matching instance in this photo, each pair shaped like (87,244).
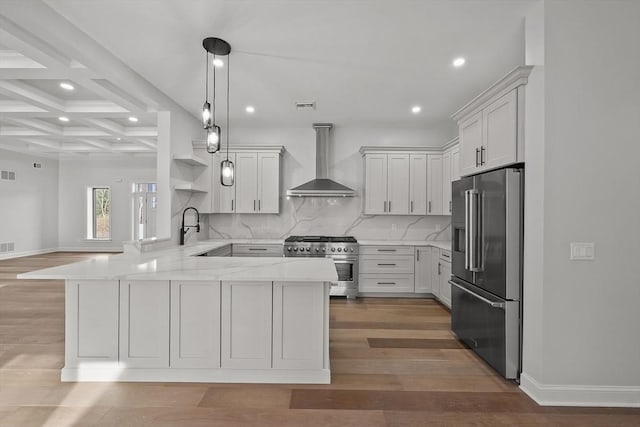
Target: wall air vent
(305,106)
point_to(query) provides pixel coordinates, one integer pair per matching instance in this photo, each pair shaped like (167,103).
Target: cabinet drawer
(386,250)
(445,255)
(257,250)
(385,283)
(386,264)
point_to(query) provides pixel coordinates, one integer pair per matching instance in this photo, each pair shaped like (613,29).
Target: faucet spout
(183,228)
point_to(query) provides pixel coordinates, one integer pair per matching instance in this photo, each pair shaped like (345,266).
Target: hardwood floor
(394,363)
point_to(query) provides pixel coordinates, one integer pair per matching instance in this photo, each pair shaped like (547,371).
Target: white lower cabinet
(144,324)
(91,329)
(440,274)
(298,332)
(195,324)
(445,287)
(423,281)
(246,325)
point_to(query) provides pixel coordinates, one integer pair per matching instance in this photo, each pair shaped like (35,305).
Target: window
(98,213)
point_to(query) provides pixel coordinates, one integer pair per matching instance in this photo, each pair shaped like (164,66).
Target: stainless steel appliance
(344,252)
(486,282)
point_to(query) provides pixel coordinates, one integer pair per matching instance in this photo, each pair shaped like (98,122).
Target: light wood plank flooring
(394,363)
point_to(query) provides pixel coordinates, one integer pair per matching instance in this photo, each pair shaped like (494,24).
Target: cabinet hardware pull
(418,255)
(232,205)
(389,205)
(477,152)
(386,264)
(386,250)
(449,206)
(254,205)
(482,150)
(445,256)
(385,205)
(259,204)
(257,249)
(429,205)
(412,206)
(387,283)
(439,268)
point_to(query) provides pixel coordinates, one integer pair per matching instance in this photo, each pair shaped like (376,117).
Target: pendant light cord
(206,81)
(213,97)
(228,119)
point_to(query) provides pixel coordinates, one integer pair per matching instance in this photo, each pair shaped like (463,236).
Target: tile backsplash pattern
(328,216)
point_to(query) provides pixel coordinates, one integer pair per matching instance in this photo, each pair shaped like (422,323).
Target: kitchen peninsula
(171,315)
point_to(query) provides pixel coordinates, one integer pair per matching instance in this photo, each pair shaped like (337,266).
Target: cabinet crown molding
(367,149)
(516,77)
(197,143)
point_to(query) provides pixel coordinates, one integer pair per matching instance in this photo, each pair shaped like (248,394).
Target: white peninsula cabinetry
(491,126)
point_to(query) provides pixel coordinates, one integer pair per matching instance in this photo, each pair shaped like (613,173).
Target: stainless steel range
(342,249)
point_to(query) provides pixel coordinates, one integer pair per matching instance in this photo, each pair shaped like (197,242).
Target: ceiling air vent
(305,106)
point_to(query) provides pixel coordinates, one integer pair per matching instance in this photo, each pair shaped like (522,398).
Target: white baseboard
(271,376)
(580,395)
(96,248)
(10,255)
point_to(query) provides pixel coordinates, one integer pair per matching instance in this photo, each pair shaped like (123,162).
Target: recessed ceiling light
(63,119)
(416,109)
(133,119)
(250,109)
(459,62)
(218,63)
(118,139)
(67,86)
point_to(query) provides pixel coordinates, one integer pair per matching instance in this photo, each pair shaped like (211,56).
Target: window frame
(90,218)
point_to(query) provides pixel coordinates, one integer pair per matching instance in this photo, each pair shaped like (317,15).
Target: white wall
(590,351)
(304,216)
(116,172)
(29,205)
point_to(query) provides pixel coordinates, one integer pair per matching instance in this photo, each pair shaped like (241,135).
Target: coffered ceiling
(364,63)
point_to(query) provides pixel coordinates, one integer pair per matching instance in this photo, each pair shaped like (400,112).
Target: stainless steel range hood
(322,186)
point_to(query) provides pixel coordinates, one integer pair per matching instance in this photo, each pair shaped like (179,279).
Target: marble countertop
(438,244)
(181,263)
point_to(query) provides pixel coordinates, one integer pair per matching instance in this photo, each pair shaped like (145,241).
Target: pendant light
(227,170)
(215,46)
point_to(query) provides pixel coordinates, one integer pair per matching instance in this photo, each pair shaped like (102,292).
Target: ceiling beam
(31,95)
(36,124)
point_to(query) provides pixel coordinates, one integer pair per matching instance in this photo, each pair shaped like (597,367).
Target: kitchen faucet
(183,228)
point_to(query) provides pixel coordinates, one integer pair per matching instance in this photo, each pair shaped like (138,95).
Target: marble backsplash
(327,216)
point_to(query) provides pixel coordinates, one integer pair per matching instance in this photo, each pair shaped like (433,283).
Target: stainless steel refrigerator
(486,281)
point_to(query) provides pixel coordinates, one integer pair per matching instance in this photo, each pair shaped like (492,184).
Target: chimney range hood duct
(322,186)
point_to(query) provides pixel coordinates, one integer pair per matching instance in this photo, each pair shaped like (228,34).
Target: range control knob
(289,248)
(351,249)
(333,249)
(295,249)
(317,249)
(339,249)
(324,249)
(308,249)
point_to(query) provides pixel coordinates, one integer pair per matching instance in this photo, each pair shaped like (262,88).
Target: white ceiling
(365,63)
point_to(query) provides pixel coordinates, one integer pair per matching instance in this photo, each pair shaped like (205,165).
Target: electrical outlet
(3,247)
(12,176)
(582,251)
(4,175)
(37,165)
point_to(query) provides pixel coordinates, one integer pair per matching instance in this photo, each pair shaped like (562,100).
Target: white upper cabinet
(434,185)
(375,184)
(446,182)
(226,195)
(398,184)
(417,184)
(491,125)
(455,163)
(268,183)
(246,182)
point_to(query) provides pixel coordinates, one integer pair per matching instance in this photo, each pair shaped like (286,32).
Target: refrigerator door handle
(481,298)
(473,230)
(467,231)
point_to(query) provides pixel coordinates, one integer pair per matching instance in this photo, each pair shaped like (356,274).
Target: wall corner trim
(580,395)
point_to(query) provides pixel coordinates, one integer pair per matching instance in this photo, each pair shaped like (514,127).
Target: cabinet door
(398,184)
(435,272)
(144,323)
(91,323)
(500,131)
(434,185)
(246,325)
(268,183)
(375,184)
(418,184)
(226,196)
(470,133)
(195,324)
(445,287)
(423,269)
(246,182)
(446,183)
(298,325)
(455,164)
